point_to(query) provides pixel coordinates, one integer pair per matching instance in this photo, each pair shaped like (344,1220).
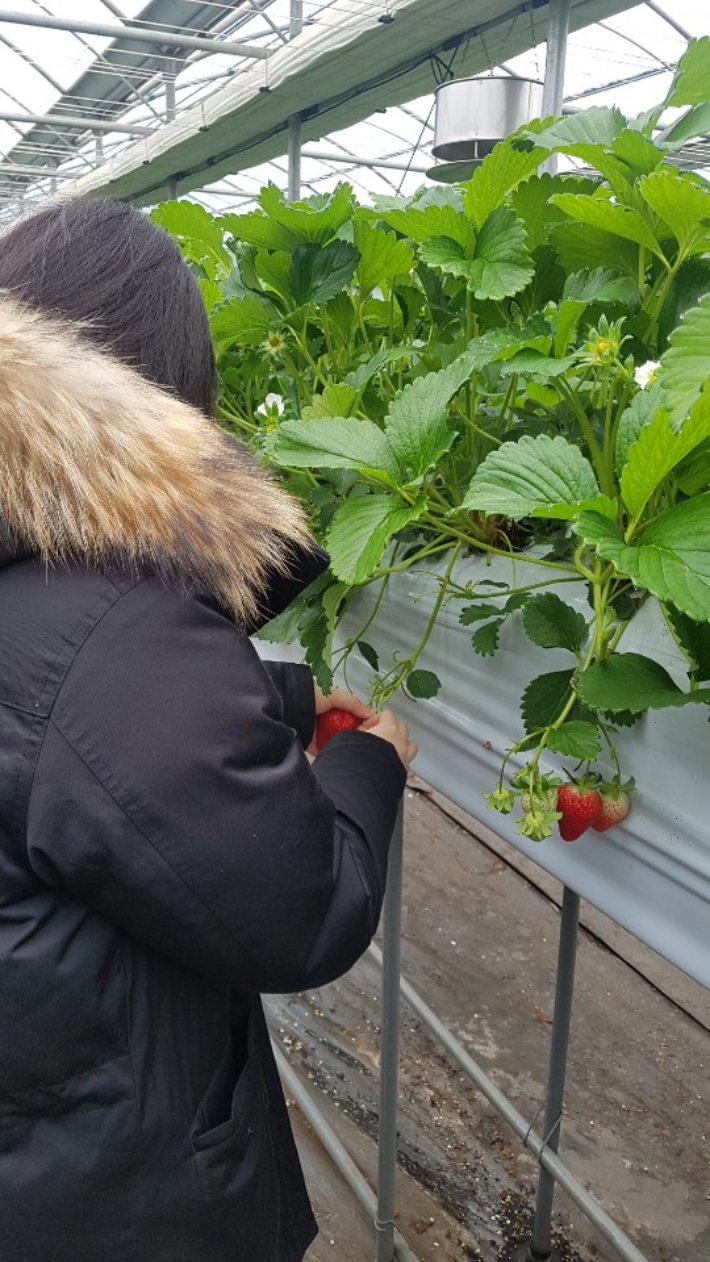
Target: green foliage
(463,371)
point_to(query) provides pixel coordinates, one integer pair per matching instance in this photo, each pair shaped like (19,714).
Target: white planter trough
(651,874)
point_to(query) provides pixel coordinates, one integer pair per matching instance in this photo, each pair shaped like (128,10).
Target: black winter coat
(166,853)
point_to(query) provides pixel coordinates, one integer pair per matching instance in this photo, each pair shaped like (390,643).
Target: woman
(166,850)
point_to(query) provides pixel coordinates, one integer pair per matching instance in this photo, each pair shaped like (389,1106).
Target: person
(167,850)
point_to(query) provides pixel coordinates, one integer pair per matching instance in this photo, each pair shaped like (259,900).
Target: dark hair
(104,264)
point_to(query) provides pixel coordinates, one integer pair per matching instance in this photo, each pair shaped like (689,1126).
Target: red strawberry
(616,803)
(581,807)
(332,722)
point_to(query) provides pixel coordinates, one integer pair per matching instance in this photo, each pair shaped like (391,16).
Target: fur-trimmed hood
(97,464)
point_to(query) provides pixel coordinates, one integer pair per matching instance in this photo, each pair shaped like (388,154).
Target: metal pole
(99,142)
(624,1248)
(553,92)
(133,30)
(76,120)
(541,1242)
(171,74)
(389,1046)
(294,123)
(171,190)
(341,1158)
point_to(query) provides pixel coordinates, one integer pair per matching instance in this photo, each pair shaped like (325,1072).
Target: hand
(389,728)
(337,700)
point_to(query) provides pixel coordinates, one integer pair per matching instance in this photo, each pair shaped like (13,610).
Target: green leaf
(433,221)
(504,168)
(240,322)
(422,684)
(545,698)
(531,202)
(696,122)
(199,233)
(540,477)
(360,531)
(334,401)
(258,230)
(551,624)
(284,628)
(599,212)
(640,412)
(657,451)
(695,639)
(273,269)
(637,151)
(318,273)
(531,363)
(388,355)
(692,81)
(317,640)
(211,293)
(682,205)
(630,681)
(382,257)
(685,367)
(575,739)
(501,265)
(671,558)
(576,243)
(416,424)
(485,639)
(597,126)
(316,219)
(366,650)
(335,443)
(693,473)
(476,613)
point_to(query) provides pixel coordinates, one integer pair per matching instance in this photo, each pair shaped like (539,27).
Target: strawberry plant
(520,364)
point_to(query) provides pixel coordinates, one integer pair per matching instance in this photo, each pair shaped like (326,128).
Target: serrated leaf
(422,684)
(432,221)
(631,681)
(360,531)
(693,473)
(318,273)
(542,367)
(499,173)
(518,600)
(211,293)
(575,739)
(671,558)
(273,268)
(416,423)
(382,257)
(335,443)
(485,639)
(256,229)
(695,639)
(476,613)
(598,125)
(501,265)
(585,287)
(542,477)
(366,650)
(696,122)
(199,233)
(685,367)
(388,355)
(315,219)
(611,217)
(637,151)
(317,640)
(640,412)
(682,205)
(575,244)
(692,81)
(334,401)
(545,698)
(531,202)
(240,322)
(550,623)
(657,451)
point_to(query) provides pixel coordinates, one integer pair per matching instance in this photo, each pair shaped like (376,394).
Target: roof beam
(13,168)
(349,160)
(77,120)
(133,30)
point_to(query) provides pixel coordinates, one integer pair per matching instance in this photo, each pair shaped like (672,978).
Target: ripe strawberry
(581,807)
(332,722)
(616,803)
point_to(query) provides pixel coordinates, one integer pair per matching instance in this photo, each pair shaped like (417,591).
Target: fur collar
(97,464)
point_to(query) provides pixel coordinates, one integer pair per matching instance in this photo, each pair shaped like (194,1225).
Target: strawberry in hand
(333,721)
(580,804)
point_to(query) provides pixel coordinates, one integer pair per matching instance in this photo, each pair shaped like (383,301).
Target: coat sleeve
(171,797)
(294,684)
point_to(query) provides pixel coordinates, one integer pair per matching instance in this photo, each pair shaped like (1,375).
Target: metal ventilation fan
(473,115)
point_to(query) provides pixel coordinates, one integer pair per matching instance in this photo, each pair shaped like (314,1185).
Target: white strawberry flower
(646,373)
(273,403)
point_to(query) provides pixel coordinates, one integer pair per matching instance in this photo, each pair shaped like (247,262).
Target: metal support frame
(294,123)
(132,29)
(389,1046)
(76,120)
(556,57)
(12,168)
(170,94)
(541,1241)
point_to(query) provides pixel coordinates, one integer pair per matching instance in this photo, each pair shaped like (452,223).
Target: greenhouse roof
(179,97)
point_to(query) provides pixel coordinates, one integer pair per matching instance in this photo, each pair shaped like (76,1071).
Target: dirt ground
(480,943)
